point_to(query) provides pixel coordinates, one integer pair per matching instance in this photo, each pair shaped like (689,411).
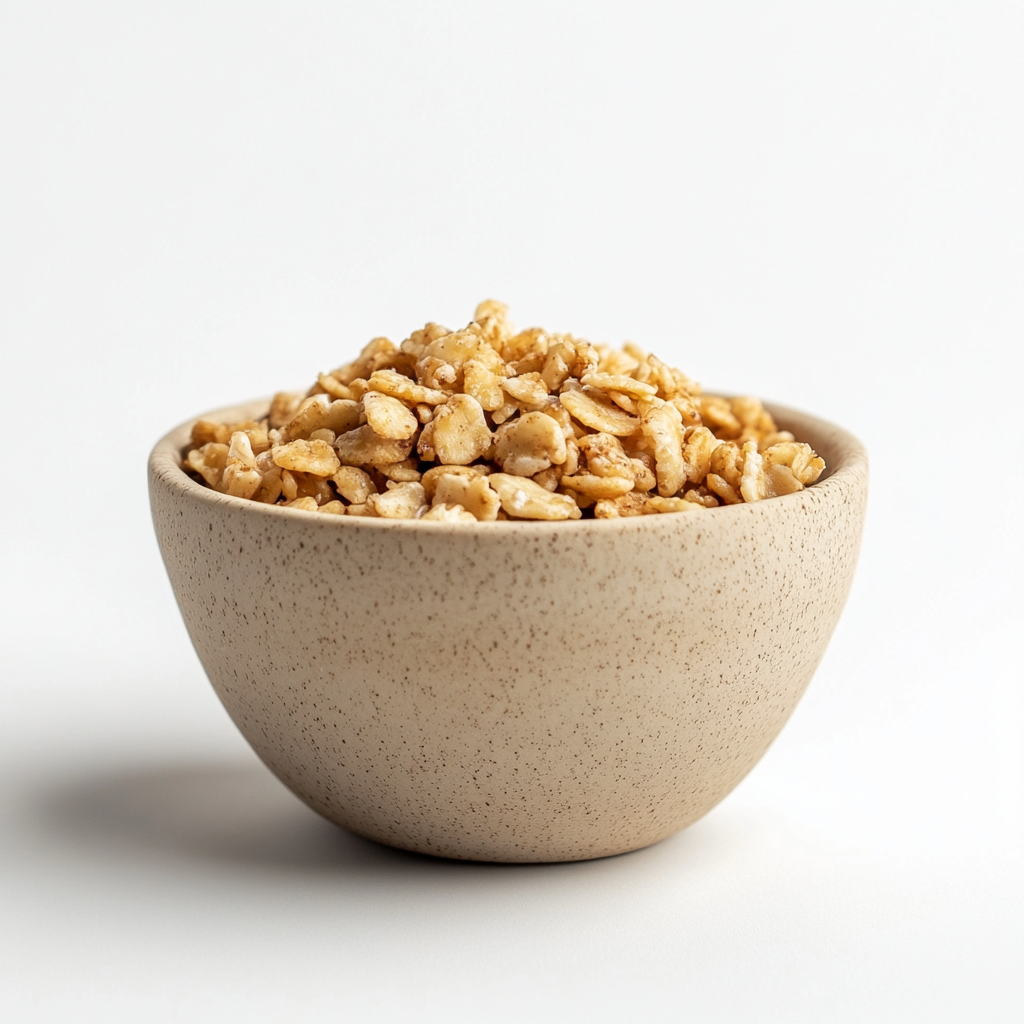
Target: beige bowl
(512,691)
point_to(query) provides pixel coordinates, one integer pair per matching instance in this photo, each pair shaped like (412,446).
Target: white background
(819,203)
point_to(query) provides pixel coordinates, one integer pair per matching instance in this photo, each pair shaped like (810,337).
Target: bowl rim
(165,465)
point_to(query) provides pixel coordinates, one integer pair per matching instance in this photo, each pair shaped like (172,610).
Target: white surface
(821,204)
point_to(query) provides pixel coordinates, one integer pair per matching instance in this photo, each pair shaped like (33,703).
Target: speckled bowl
(512,691)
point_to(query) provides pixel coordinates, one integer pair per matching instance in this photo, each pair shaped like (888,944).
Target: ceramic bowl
(512,691)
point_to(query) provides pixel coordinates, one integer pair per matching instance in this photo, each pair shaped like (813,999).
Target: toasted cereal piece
(753,485)
(799,457)
(723,489)
(388,417)
(625,402)
(594,486)
(530,444)
(557,365)
(473,493)
(642,468)
(769,440)
(448,514)
(658,504)
(670,381)
(621,383)
(353,484)
(701,496)
(405,472)
(289,485)
(615,362)
(378,353)
(316,457)
(528,389)
(332,508)
(717,414)
(240,481)
(320,412)
(432,475)
(753,415)
(605,456)
(531,344)
(505,412)
(240,450)
(365,510)
(414,345)
(208,432)
(549,479)
(304,504)
(283,406)
(399,501)
(388,382)
(484,384)
(595,410)
(458,432)
(492,318)
(623,507)
(700,443)
(456,349)
(208,462)
(333,387)
(363,447)
(727,463)
(662,426)
(524,499)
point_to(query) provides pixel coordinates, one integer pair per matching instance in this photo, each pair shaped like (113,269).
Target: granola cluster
(490,423)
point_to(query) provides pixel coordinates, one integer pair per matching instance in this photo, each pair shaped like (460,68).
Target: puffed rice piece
(209,462)
(388,382)
(594,486)
(399,501)
(658,504)
(283,407)
(458,434)
(700,443)
(619,383)
(388,417)
(595,410)
(605,456)
(799,457)
(316,457)
(528,389)
(354,485)
(432,475)
(401,472)
(448,514)
(473,493)
(483,384)
(332,508)
(304,504)
(662,426)
(623,507)
(333,387)
(320,412)
(362,447)
(524,499)
(529,445)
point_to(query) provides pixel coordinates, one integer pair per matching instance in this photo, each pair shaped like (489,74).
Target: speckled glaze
(512,691)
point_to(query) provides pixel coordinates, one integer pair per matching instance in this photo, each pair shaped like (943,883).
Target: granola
(488,423)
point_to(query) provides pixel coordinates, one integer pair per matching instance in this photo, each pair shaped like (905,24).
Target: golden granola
(487,423)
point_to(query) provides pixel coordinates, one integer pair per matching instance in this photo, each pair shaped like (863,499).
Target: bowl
(512,691)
